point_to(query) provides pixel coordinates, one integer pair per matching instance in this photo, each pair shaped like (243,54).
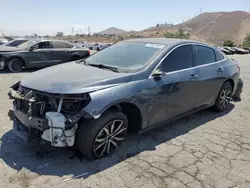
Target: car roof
(164,41)
(51,40)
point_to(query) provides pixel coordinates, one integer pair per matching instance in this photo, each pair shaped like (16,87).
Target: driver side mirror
(157,73)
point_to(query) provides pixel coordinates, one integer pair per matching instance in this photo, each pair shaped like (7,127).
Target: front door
(173,92)
(39,55)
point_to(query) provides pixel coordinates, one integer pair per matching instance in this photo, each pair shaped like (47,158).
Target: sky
(47,17)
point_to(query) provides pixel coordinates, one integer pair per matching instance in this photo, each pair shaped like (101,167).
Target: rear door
(61,51)
(173,93)
(211,73)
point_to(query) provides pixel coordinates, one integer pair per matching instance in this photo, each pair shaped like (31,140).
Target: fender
(7,58)
(132,92)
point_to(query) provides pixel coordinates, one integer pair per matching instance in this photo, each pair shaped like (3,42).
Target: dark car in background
(226,51)
(240,50)
(39,54)
(133,85)
(230,49)
(15,42)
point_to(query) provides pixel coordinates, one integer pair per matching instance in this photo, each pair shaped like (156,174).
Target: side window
(180,58)
(58,44)
(219,56)
(42,45)
(69,45)
(204,55)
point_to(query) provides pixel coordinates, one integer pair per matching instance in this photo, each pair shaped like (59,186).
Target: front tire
(15,65)
(97,138)
(224,97)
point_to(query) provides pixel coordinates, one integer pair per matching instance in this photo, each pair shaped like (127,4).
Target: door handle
(219,70)
(193,76)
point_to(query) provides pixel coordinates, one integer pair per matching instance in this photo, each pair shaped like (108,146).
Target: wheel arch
(231,81)
(16,57)
(74,56)
(131,110)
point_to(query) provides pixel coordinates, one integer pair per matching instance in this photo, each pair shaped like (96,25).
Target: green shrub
(180,35)
(229,43)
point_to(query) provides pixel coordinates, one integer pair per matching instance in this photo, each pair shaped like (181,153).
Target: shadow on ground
(46,160)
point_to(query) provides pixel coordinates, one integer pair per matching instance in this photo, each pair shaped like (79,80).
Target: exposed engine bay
(54,117)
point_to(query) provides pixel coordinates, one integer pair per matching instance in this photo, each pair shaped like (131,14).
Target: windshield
(130,56)
(27,44)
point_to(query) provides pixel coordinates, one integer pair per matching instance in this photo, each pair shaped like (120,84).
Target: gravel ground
(206,149)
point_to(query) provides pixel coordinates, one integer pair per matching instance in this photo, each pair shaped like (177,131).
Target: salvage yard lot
(206,149)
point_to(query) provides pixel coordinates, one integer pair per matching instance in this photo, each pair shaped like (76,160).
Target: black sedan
(39,54)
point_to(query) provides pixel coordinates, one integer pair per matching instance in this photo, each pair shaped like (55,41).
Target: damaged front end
(53,117)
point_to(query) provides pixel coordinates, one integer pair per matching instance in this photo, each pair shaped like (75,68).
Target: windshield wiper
(102,66)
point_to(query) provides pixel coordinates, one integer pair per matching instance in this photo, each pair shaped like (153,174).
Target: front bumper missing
(51,126)
(24,132)
(40,124)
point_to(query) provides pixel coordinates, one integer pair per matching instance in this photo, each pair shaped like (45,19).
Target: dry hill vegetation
(212,28)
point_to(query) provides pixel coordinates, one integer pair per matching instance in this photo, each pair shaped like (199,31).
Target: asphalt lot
(206,149)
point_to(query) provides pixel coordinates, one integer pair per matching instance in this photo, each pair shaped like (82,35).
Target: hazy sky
(19,17)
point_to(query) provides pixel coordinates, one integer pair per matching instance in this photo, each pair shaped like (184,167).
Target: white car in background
(99,46)
(3,41)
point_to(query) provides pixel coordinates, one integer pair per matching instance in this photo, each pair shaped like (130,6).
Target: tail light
(89,52)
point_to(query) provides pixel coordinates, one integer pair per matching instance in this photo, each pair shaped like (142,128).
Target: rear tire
(15,65)
(224,96)
(97,138)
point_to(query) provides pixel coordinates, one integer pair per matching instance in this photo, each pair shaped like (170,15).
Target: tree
(157,25)
(229,43)
(59,34)
(35,35)
(246,42)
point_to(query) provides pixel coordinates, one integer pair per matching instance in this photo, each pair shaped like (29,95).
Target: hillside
(219,26)
(112,30)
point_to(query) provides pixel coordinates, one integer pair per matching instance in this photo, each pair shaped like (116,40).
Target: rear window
(58,44)
(204,55)
(219,56)
(129,55)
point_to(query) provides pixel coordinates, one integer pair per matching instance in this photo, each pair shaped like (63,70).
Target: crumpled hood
(9,49)
(73,78)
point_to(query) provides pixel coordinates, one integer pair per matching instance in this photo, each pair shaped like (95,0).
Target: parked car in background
(247,48)
(3,41)
(39,54)
(240,50)
(99,46)
(224,50)
(134,85)
(15,42)
(230,49)
(95,46)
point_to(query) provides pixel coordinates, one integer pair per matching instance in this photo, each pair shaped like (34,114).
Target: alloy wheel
(225,96)
(108,138)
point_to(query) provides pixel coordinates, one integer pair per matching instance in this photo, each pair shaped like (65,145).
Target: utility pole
(200,10)
(89,30)
(72,30)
